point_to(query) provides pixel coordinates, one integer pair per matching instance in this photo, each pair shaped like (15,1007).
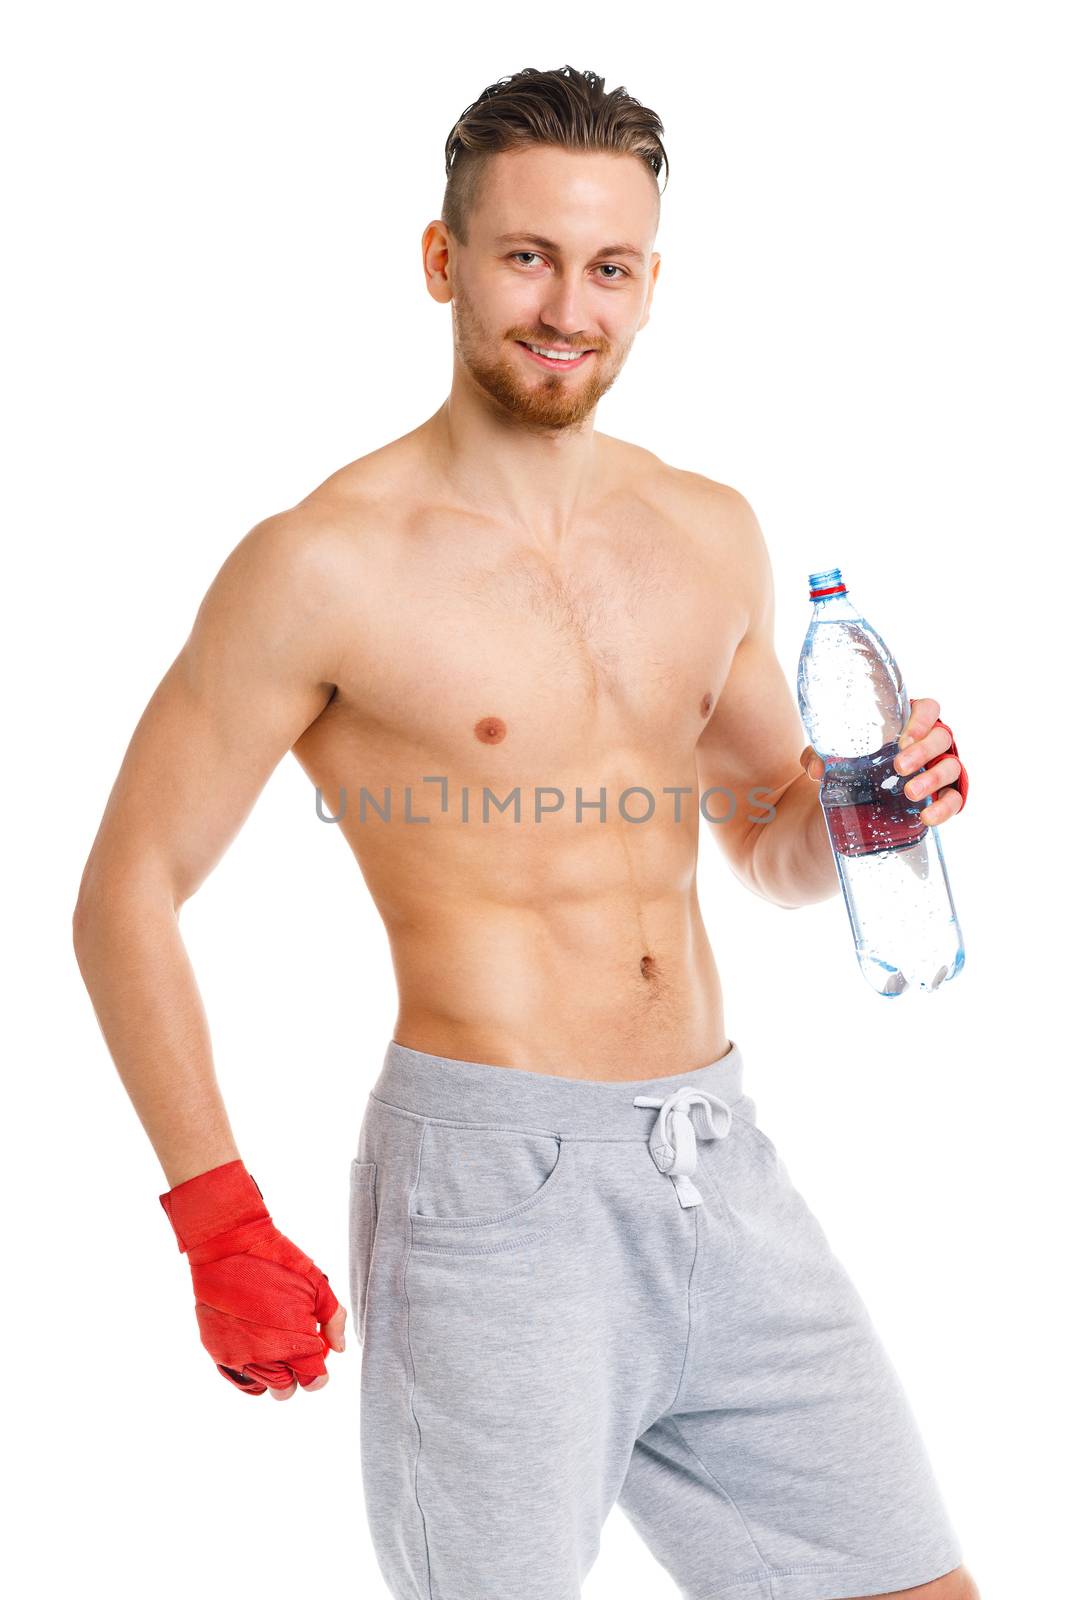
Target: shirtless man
(579,1268)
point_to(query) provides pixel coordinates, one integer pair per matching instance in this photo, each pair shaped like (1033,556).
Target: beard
(543,400)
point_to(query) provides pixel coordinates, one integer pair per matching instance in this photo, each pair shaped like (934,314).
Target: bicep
(248,681)
(752,745)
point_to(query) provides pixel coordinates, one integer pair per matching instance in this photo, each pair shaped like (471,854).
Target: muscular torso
(552,943)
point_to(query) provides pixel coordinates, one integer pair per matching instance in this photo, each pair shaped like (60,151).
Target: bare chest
(493,661)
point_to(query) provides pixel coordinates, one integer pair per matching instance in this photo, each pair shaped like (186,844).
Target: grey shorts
(572,1293)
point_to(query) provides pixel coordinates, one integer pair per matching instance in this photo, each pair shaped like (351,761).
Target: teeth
(557,355)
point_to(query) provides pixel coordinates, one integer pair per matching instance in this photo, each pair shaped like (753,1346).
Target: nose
(563,310)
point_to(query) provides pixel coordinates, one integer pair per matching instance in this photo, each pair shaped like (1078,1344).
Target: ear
(653,273)
(437,261)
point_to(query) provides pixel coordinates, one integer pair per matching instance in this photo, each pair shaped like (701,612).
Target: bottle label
(864,805)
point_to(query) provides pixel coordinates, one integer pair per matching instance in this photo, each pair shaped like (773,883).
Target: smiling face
(579,277)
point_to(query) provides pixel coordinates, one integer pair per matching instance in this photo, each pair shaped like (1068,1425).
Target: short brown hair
(560,107)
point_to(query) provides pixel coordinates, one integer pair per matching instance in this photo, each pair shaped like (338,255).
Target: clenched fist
(266,1312)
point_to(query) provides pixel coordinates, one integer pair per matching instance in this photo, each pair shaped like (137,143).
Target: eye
(533,255)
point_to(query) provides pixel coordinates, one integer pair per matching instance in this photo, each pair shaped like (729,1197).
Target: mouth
(566,363)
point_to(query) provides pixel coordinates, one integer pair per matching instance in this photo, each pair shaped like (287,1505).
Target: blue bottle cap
(826,583)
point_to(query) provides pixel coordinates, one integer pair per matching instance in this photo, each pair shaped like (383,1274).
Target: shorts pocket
(362,1227)
(483,1185)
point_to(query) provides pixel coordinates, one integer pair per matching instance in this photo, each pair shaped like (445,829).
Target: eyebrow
(550,244)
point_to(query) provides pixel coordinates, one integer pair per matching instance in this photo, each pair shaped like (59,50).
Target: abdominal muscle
(562,991)
(580,952)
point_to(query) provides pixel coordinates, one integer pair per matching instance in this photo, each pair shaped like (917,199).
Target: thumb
(334,1328)
(329,1313)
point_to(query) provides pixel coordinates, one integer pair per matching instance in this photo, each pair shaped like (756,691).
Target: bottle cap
(826,583)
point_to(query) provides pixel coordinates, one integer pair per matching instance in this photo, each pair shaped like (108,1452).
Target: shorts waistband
(469,1091)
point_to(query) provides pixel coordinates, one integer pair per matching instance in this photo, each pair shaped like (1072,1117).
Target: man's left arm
(753,749)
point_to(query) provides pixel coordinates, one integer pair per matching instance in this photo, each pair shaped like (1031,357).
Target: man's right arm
(259,665)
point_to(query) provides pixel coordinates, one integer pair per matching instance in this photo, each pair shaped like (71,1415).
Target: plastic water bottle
(854,706)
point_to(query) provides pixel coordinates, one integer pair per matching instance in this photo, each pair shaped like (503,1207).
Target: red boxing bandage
(258,1297)
(959,783)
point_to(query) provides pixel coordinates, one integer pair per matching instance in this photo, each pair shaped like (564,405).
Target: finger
(910,757)
(327,1304)
(309,1366)
(331,1315)
(938,776)
(240,1380)
(335,1329)
(942,809)
(923,714)
(277,1375)
(317,1383)
(263,1353)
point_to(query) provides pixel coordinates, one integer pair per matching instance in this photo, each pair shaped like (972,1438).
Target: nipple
(490,730)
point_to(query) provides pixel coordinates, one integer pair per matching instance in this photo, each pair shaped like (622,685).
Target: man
(581,1270)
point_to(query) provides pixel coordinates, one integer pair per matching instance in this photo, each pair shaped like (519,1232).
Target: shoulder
(291,563)
(297,590)
(728,511)
(727,530)
(689,495)
(312,553)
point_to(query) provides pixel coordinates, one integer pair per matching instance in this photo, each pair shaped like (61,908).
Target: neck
(535,478)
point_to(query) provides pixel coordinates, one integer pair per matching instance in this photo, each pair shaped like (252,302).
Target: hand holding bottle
(923,740)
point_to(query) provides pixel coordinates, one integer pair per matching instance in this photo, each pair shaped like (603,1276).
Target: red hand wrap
(961,782)
(258,1297)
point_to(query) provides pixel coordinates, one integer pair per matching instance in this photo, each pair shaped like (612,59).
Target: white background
(867,320)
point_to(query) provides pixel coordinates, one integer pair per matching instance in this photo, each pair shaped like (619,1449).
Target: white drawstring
(684,1115)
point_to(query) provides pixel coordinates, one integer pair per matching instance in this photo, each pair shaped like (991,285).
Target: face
(542,269)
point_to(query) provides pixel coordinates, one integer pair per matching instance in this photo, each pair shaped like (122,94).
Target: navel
(647,966)
(705,705)
(490,730)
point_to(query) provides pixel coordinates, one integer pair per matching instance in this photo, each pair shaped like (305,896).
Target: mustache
(548,342)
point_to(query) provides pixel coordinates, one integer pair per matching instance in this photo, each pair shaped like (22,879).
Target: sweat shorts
(571,1293)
